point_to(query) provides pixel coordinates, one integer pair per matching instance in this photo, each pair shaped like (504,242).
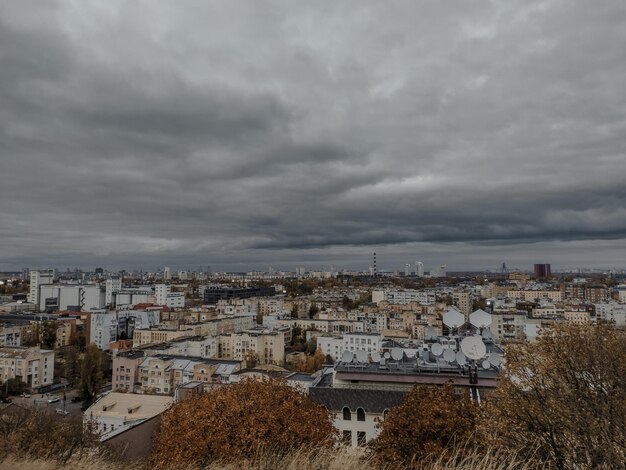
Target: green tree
(91,377)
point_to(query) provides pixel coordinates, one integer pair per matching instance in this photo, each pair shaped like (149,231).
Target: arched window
(347,414)
(360,414)
(385,413)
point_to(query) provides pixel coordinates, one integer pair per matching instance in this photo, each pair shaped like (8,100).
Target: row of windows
(361,438)
(360,414)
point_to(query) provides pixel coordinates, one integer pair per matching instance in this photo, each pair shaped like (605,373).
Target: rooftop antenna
(453,319)
(474,349)
(347,356)
(495,359)
(375,357)
(449,355)
(397,354)
(437,349)
(480,319)
(362,356)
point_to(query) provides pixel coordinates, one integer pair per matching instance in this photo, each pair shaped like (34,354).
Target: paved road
(38,400)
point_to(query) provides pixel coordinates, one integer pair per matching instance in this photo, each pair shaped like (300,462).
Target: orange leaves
(430,422)
(238,421)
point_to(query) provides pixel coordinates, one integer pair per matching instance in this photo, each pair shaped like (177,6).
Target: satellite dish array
(363,357)
(472,348)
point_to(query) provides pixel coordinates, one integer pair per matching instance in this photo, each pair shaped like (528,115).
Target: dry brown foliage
(563,399)
(237,421)
(43,434)
(322,459)
(430,423)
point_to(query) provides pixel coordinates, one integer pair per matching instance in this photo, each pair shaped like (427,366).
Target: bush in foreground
(237,421)
(431,423)
(563,399)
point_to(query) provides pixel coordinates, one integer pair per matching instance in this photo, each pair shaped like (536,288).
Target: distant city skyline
(243,134)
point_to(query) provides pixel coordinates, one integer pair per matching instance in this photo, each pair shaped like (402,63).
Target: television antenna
(449,355)
(387,355)
(473,347)
(375,357)
(480,319)
(397,354)
(486,364)
(437,349)
(453,318)
(495,359)
(361,356)
(460,358)
(347,356)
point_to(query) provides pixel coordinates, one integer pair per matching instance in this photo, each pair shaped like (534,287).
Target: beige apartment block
(32,366)
(532,295)
(142,337)
(269,347)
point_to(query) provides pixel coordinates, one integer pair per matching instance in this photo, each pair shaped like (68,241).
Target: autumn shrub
(430,423)
(42,434)
(237,421)
(563,398)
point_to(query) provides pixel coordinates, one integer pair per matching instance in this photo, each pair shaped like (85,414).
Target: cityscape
(348,235)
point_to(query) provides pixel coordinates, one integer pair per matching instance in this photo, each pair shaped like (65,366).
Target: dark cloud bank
(242,134)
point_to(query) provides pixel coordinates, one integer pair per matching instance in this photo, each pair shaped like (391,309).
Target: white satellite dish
(487,334)
(437,349)
(461,359)
(431,333)
(449,355)
(387,355)
(347,356)
(473,347)
(375,357)
(480,319)
(453,318)
(486,364)
(495,359)
(362,356)
(397,354)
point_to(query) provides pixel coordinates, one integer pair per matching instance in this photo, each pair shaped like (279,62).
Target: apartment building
(267,346)
(532,295)
(32,366)
(335,346)
(406,296)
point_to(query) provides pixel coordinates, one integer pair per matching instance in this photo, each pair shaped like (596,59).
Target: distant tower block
(419,269)
(375,266)
(504,270)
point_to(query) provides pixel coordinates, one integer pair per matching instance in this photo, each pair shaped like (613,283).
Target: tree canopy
(238,421)
(430,422)
(563,398)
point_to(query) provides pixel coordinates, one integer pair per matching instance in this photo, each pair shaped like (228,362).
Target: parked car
(62,412)
(53,398)
(25,395)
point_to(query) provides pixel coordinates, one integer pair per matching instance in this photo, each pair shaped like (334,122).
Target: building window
(347,438)
(385,414)
(347,414)
(360,438)
(360,414)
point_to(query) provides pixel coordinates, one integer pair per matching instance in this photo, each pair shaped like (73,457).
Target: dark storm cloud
(243,134)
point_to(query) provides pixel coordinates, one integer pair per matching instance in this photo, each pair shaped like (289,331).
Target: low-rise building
(32,366)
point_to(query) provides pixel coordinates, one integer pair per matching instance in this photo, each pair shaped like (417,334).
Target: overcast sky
(136,134)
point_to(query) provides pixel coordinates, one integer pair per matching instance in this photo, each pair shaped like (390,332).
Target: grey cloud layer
(245,132)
